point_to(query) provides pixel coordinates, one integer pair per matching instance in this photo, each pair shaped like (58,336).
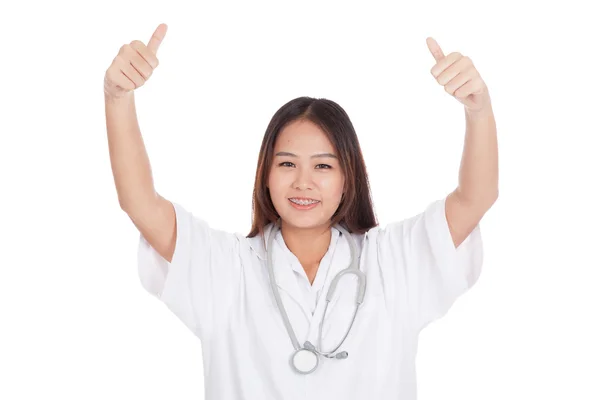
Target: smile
(303,202)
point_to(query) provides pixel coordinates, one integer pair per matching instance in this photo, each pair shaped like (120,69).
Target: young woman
(317,301)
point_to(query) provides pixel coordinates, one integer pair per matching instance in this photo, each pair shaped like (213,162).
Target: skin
(303,171)
(478,176)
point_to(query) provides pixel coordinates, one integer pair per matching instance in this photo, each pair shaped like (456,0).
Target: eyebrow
(288,154)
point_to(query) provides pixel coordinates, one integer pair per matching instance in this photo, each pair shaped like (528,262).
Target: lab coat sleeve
(433,272)
(201,275)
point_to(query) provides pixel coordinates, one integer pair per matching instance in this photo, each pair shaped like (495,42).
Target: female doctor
(317,301)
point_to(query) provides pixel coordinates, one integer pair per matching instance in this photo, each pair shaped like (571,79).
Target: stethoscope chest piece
(304,361)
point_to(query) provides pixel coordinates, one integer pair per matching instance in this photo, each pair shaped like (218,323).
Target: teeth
(303,202)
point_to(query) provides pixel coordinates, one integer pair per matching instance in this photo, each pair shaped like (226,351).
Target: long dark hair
(355,211)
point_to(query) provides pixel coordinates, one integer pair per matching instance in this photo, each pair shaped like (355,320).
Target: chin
(317,217)
(305,221)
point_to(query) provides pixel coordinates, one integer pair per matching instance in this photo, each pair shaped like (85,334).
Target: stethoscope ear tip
(342,355)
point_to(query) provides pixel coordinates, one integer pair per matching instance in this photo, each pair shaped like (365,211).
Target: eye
(325,165)
(285,162)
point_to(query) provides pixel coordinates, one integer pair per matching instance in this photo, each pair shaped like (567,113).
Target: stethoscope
(305,360)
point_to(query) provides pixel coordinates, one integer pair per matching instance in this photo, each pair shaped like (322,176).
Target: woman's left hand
(460,78)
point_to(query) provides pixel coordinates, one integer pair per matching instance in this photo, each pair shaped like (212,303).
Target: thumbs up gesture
(133,65)
(459,77)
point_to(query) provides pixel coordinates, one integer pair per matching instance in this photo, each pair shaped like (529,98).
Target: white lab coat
(218,285)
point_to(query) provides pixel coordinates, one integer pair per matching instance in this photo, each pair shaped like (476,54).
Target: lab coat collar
(259,245)
(285,266)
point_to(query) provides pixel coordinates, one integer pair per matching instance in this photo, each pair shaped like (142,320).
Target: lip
(300,207)
(303,198)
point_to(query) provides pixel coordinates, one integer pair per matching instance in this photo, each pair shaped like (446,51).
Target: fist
(459,77)
(133,65)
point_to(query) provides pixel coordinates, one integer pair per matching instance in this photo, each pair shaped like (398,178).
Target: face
(305,169)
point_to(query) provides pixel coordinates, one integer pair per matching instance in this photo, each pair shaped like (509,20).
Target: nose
(303,179)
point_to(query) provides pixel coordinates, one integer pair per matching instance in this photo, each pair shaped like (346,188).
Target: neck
(309,245)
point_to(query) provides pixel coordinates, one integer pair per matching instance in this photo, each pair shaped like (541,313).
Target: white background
(75,320)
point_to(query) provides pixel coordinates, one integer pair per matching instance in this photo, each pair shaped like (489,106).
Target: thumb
(435,49)
(157,38)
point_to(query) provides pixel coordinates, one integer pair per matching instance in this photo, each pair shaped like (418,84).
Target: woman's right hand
(133,65)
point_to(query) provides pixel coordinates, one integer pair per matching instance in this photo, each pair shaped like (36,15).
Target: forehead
(303,136)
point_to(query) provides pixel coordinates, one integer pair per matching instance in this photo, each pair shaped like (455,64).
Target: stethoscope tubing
(354,268)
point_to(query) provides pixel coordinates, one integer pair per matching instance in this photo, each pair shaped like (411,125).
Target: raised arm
(477,190)
(153,215)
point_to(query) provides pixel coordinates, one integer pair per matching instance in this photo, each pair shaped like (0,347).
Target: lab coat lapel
(342,304)
(329,266)
(340,261)
(285,277)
